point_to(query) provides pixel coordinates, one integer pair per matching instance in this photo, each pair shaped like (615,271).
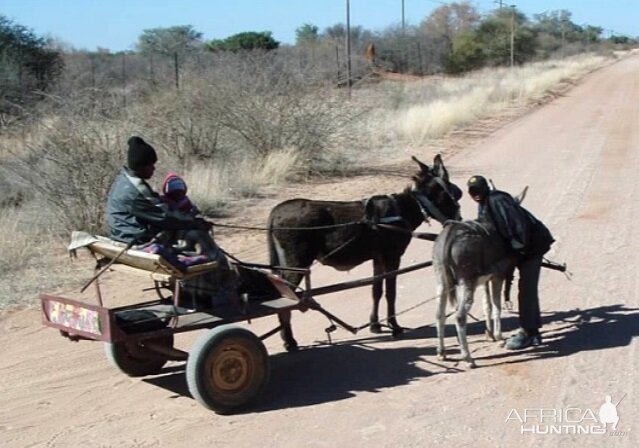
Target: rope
(334,250)
(331,226)
(423,302)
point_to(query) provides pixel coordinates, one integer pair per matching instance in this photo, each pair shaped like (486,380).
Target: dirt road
(580,156)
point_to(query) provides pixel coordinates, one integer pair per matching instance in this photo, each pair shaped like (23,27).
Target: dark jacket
(136,214)
(524,233)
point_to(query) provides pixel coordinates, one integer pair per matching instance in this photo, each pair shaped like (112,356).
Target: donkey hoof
(472,365)
(376,328)
(490,336)
(397,331)
(291,346)
(441,357)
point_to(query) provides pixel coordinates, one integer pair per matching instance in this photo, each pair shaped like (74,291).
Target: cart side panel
(78,318)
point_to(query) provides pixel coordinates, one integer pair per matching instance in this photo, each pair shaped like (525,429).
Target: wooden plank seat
(140,262)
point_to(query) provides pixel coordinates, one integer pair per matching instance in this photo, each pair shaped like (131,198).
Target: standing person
(529,239)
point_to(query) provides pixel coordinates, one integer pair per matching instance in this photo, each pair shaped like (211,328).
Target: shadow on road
(329,373)
(332,373)
(322,374)
(583,330)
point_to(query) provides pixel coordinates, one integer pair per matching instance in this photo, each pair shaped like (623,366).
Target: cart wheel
(134,359)
(227,369)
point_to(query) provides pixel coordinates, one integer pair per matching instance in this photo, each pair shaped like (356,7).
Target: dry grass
(213,187)
(16,240)
(31,257)
(433,108)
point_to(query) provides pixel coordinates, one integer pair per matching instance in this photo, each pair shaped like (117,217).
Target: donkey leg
(464,303)
(496,288)
(440,316)
(391,297)
(377,295)
(286,332)
(488,312)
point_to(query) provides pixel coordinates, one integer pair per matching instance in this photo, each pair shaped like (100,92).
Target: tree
(467,54)
(591,34)
(359,35)
(445,23)
(306,34)
(27,64)
(490,42)
(249,40)
(620,39)
(168,41)
(494,34)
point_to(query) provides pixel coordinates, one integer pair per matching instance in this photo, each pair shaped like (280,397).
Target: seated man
(529,239)
(135,215)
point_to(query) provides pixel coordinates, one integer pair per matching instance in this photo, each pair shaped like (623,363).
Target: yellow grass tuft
(212,187)
(436,109)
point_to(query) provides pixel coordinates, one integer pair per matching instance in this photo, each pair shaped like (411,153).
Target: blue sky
(116,24)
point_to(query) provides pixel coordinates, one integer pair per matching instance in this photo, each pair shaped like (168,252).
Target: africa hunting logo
(571,420)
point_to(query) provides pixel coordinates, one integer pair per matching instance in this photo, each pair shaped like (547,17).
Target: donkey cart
(227,366)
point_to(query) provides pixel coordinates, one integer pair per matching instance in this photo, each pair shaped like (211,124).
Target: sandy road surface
(579,154)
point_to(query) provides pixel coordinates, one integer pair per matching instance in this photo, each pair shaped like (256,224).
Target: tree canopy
(176,39)
(306,34)
(249,40)
(27,63)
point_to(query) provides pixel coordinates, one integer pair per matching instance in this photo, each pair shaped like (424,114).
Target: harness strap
(428,208)
(383,219)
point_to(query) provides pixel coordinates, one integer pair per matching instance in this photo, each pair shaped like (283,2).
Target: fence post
(177,71)
(419,56)
(124,79)
(92,60)
(337,63)
(151,70)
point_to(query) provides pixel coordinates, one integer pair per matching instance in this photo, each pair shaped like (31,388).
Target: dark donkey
(342,234)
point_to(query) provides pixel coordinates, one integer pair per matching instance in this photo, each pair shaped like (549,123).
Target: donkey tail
(274,258)
(442,254)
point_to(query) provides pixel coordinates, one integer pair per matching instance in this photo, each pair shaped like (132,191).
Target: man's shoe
(522,340)
(536,340)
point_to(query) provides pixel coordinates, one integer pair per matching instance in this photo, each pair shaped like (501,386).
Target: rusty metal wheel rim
(231,368)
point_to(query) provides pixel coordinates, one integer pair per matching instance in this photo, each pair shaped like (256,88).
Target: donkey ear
(438,167)
(521,196)
(422,166)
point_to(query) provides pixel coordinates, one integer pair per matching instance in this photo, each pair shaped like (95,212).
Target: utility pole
(403,21)
(348,46)
(512,36)
(500,3)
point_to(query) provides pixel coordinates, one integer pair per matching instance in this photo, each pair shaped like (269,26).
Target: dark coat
(136,214)
(523,233)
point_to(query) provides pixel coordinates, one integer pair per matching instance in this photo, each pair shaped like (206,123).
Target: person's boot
(523,339)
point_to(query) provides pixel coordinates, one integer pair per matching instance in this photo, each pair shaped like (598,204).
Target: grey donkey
(466,255)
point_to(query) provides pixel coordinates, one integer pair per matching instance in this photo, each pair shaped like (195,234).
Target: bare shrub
(213,187)
(184,124)
(71,165)
(264,108)
(250,106)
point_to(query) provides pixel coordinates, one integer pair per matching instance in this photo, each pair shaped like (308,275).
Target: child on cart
(174,195)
